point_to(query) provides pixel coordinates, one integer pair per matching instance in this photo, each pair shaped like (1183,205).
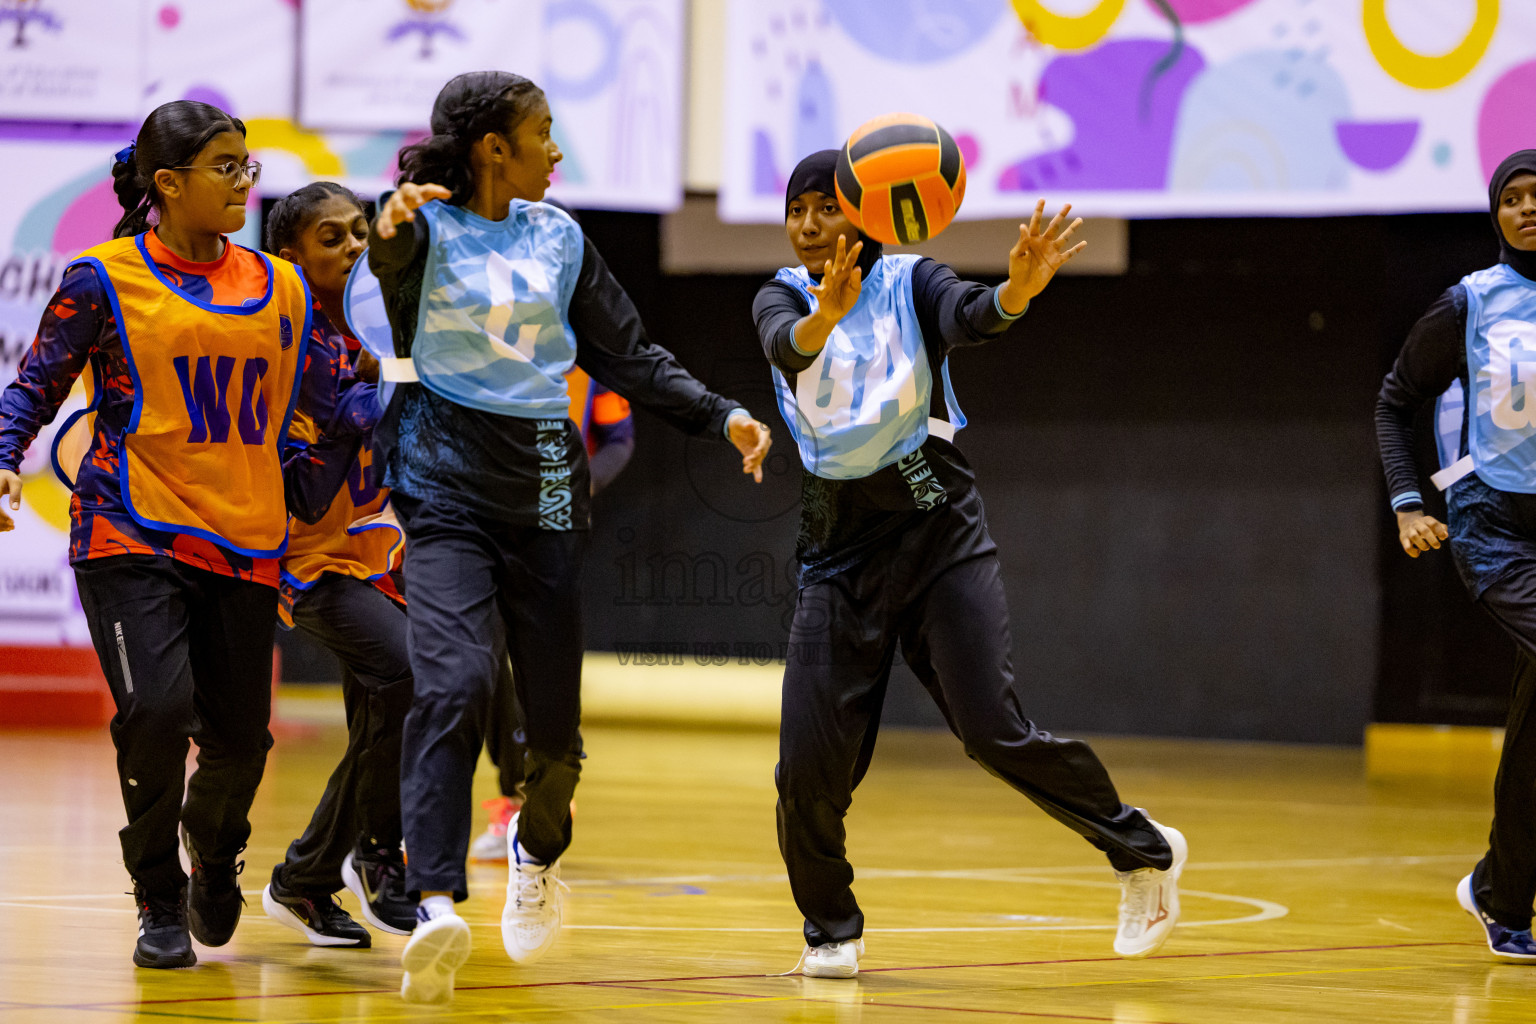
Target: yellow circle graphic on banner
(281,133)
(1416,69)
(1066,31)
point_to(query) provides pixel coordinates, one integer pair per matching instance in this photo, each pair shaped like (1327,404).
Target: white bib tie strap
(1452,473)
(398,370)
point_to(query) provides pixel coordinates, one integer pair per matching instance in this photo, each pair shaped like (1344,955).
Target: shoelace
(798,964)
(391,874)
(1136,896)
(807,951)
(531,888)
(327,910)
(160,910)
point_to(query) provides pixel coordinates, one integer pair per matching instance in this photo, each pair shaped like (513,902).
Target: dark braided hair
(292,213)
(171,136)
(468,108)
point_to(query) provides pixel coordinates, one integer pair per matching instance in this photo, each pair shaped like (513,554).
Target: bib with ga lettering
(863,402)
(1501,367)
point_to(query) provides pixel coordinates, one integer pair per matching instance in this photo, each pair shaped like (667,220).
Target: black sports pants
(505,742)
(366,631)
(1505,880)
(951,620)
(472,581)
(188,655)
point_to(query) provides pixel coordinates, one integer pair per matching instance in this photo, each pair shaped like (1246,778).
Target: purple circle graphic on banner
(211,96)
(917,31)
(88,220)
(1376,145)
(1193,12)
(170,16)
(604,70)
(1507,120)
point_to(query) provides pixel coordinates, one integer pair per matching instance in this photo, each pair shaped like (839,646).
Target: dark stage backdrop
(1178,465)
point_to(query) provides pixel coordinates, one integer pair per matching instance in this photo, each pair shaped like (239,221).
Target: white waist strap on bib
(398,370)
(942,429)
(1452,473)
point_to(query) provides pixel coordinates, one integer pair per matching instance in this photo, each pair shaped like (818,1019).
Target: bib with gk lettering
(492,330)
(214,390)
(862,404)
(1501,365)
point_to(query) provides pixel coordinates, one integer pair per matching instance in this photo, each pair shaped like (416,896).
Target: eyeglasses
(230,171)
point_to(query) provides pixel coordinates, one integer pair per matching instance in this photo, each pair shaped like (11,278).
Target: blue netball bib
(1501,365)
(863,403)
(363,303)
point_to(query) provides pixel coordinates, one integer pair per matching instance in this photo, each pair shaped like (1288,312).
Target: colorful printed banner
(612,70)
(59,201)
(76,60)
(378,64)
(1145,107)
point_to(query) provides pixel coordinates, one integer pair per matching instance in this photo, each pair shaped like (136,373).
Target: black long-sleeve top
(843,521)
(435,449)
(1433,357)
(952,313)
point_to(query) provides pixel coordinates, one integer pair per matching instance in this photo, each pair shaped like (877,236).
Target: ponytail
(171,136)
(468,107)
(132,196)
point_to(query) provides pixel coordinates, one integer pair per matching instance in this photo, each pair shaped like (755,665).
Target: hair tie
(125,155)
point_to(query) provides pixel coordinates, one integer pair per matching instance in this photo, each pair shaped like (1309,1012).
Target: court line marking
(732,977)
(1264,910)
(874,1001)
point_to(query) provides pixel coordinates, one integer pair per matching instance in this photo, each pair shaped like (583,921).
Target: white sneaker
(530,921)
(832,960)
(489,845)
(1149,901)
(438,947)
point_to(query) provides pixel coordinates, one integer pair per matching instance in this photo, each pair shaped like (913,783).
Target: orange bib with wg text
(214,389)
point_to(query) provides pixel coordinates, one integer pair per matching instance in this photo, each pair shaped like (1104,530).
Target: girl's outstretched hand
(842,279)
(10,494)
(402,204)
(1036,256)
(752,439)
(1418,532)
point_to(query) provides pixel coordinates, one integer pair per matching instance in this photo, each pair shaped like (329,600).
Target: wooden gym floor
(1311,895)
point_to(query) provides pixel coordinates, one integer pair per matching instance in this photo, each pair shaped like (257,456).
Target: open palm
(1039,253)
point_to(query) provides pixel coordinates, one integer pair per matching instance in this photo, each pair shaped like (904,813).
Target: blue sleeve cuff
(997,303)
(1405,499)
(738,411)
(796,345)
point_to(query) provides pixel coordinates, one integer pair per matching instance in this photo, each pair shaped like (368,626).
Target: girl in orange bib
(339,586)
(199,351)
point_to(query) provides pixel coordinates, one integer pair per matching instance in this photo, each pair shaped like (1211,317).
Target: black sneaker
(213,896)
(316,916)
(163,939)
(376,876)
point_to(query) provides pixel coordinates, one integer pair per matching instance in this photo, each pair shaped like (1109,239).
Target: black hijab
(817,173)
(1522,162)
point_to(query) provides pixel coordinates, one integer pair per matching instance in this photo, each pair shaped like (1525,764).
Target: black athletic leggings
(472,582)
(950,618)
(365,629)
(188,655)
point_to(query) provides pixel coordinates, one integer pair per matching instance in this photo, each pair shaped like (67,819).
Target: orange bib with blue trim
(214,391)
(357,536)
